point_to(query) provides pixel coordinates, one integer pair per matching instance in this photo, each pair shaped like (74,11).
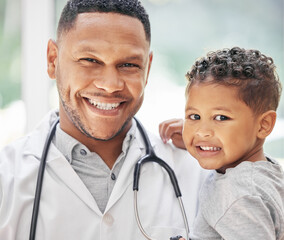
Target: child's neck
(254,156)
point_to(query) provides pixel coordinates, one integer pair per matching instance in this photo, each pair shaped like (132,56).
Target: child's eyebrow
(221,108)
(190,108)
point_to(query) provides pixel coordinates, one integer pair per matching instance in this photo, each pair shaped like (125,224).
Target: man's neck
(107,150)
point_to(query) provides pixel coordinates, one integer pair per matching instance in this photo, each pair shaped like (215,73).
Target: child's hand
(172,129)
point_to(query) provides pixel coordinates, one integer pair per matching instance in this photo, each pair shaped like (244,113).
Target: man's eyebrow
(85,49)
(134,57)
(131,57)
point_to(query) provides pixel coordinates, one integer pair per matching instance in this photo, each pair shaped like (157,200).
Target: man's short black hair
(131,8)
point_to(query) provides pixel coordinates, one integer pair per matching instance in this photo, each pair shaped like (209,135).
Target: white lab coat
(68,210)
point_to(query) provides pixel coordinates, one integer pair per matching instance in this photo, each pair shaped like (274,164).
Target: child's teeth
(210,148)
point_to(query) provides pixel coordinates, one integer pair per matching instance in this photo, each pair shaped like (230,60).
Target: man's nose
(109,80)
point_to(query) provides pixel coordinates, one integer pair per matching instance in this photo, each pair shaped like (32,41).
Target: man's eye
(130,65)
(221,118)
(89,60)
(194,117)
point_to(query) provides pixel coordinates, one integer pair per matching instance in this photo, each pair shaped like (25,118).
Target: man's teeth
(103,106)
(210,148)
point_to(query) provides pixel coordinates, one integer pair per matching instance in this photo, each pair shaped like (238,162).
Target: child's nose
(204,131)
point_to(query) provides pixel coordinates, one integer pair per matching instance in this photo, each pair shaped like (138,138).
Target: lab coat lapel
(56,162)
(62,168)
(125,177)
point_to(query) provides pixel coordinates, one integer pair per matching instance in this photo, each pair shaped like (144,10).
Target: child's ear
(266,124)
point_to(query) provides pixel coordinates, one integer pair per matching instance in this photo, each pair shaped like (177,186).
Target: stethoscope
(149,157)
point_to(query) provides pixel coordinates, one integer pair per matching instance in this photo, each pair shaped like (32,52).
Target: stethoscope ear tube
(40,180)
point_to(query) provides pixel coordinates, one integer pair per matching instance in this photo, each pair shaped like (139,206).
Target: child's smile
(207,150)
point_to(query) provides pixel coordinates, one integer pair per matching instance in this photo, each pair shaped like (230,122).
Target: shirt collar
(66,144)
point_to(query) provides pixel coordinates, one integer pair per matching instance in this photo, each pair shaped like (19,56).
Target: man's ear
(266,123)
(52,54)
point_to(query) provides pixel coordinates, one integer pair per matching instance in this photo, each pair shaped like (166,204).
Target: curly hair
(250,71)
(131,8)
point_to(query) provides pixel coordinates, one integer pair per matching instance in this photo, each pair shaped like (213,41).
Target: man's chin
(103,135)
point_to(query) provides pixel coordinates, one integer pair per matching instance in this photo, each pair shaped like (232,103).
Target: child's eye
(221,118)
(194,117)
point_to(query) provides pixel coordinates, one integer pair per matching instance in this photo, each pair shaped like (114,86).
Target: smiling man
(101,61)
(101,66)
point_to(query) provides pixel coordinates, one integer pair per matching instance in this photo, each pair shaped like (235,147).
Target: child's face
(220,130)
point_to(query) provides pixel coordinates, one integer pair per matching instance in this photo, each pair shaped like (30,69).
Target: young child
(231,101)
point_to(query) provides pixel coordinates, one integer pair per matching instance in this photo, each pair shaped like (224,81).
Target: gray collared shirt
(90,167)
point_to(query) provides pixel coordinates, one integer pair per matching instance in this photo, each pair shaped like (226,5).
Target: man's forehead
(106,21)
(111,19)
(107,26)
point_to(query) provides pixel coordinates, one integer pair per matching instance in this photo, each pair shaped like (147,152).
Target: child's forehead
(213,86)
(210,97)
(211,93)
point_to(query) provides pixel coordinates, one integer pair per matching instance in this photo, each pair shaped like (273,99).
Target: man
(101,62)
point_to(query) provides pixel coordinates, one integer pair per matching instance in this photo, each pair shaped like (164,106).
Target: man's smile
(104,105)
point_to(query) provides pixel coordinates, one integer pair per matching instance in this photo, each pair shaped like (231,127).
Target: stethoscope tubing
(139,221)
(40,180)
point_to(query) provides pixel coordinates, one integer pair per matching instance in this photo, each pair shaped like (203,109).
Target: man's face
(101,67)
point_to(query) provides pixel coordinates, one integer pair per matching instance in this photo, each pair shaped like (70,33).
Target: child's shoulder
(263,180)
(246,185)
(248,178)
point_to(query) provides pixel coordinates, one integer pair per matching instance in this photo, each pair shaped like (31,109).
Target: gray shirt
(90,167)
(247,202)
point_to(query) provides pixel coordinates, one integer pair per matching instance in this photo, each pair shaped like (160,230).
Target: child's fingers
(164,129)
(170,127)
(178,141)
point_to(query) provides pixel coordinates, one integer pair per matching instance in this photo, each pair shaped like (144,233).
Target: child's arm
(250,218)
(172,129)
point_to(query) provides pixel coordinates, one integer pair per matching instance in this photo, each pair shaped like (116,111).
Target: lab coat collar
(36,139)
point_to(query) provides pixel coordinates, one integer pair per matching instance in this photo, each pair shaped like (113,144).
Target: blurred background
(182,31)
